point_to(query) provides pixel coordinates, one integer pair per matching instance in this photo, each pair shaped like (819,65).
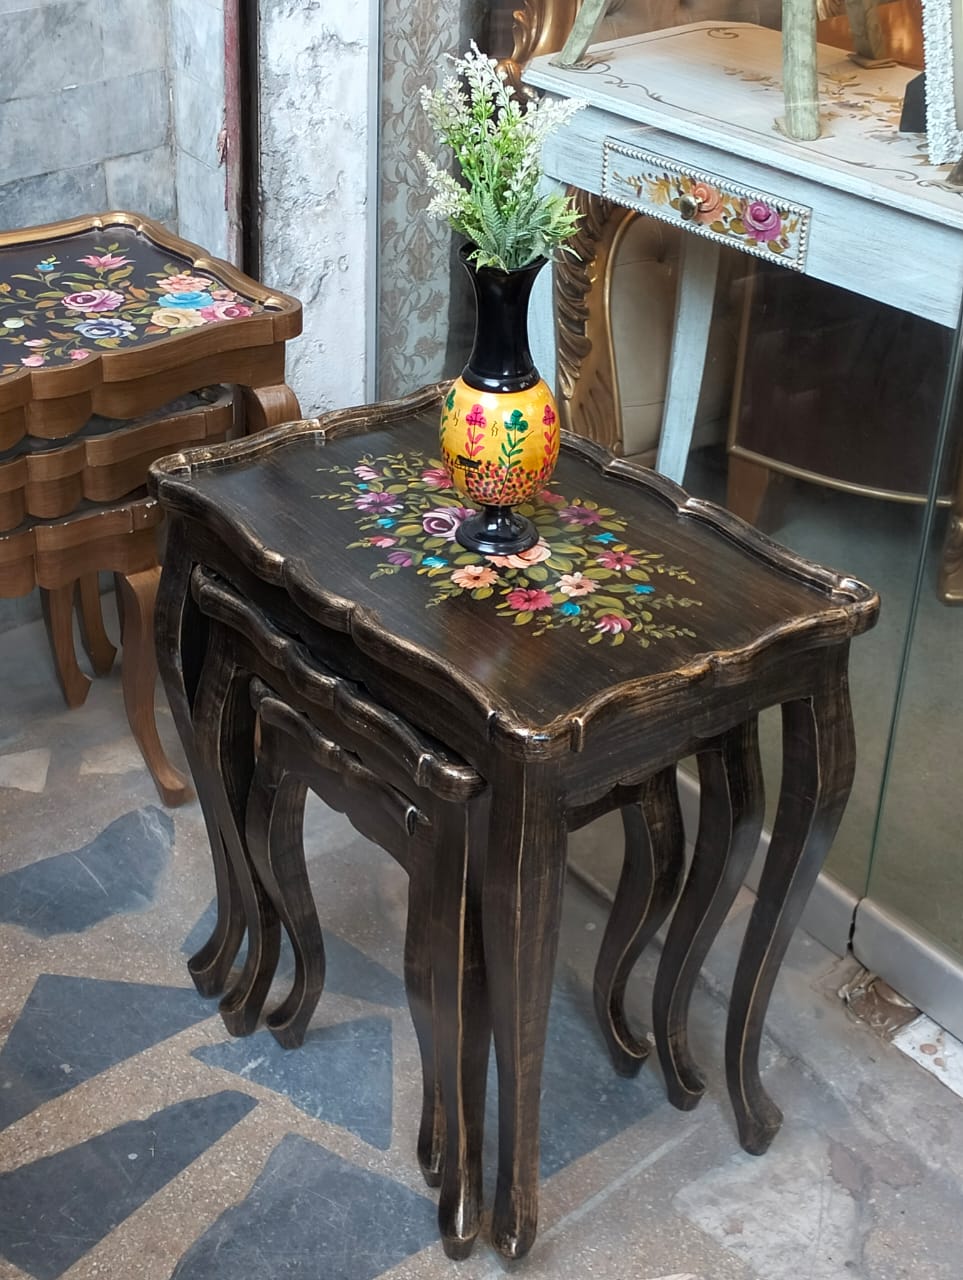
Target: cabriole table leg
(522,901)
(818,766)
(730,822)
(648,886)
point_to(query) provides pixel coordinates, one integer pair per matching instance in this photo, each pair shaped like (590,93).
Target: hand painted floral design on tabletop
(65,310)
(582,573)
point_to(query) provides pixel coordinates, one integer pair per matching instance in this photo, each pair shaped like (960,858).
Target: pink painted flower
(219,295)
(556,499)
(528,600)
(548,417)
(437,478)
(580,515)
(94,300)
(378,502)
(616,560)
(37,342)
(613,623)
(79,355)
(576,584)
(444,521)
(226,311)
(761,220)
(534,555)
(33,361)
(381,540)
(475,417)
(474,575)
(403,559)
(105,261)
(364,472)
(183,283)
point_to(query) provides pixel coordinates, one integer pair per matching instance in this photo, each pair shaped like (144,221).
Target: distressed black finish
(559,731)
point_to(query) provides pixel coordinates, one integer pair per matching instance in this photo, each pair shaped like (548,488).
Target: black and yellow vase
(499,423)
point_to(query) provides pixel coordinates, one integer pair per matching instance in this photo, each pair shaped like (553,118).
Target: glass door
(915,886)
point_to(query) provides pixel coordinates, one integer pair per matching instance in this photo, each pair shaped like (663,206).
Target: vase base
(497,531)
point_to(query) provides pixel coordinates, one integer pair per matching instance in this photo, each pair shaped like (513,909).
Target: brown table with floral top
(643,627)
(105,321)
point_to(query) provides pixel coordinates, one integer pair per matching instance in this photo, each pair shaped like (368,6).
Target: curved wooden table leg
(730,822)
(90,614)
(651,875)
(180,633)
(421,999)
(462,1017)
(269,407)
(223,727)
(275,836)
(139,680)
(818,767)
(58,613)
(522,901)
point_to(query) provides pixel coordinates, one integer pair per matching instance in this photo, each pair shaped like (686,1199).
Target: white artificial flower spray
(496,140)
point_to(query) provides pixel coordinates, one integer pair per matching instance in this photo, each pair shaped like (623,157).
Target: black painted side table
(644,627)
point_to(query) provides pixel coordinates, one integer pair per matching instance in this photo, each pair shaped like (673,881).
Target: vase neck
(500,358)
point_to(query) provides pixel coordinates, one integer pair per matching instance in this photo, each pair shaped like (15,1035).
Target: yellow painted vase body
(499,423)
(500,447)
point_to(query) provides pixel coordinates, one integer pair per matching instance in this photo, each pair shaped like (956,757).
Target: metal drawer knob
(689,206)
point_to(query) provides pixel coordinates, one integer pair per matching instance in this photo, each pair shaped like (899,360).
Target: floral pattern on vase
(583,573)
(64,312)
(499,448)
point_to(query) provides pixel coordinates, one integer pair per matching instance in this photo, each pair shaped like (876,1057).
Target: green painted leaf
(596,638)
(599,575)
(408,530)
(397,488)
(523,617)
(482,593)
(610,601)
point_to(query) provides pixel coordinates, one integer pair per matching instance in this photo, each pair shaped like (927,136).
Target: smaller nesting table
(104,320)
(646,626)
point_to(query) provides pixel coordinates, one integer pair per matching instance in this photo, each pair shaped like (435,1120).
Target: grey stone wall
(196,62)
(111,104)
(84,110)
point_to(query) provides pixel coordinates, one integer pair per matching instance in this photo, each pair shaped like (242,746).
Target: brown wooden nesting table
(104,320)
(646,627)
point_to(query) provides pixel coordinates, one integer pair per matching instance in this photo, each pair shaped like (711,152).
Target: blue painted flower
(386,522)
(434,562)
(570,609)
(604,537)
(105,328)
(191,300)
(49,264)
(363,488)
(643,590)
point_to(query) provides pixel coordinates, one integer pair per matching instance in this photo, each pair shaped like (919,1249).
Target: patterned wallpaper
(423,309)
